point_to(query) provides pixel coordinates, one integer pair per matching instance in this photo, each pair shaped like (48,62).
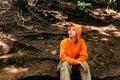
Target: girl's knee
(85,63)
(65,65)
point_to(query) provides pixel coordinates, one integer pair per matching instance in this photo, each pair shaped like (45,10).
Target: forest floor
(35,51)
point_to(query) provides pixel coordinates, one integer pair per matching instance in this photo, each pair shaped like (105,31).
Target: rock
(54,52)
(5,45)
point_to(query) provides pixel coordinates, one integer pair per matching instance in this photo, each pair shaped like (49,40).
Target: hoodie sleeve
(63,54)
(83,52)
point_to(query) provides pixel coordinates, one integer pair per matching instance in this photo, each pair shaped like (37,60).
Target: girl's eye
(73,29)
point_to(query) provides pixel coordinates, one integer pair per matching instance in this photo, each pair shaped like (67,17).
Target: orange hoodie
(73,52)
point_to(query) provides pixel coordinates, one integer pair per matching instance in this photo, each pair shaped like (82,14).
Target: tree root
(34,15)
(96,61)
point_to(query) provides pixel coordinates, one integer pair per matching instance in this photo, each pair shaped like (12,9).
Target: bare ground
(35,51)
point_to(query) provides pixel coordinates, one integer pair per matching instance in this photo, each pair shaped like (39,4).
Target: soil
(35,51)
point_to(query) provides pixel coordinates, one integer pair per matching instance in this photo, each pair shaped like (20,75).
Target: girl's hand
(83,66)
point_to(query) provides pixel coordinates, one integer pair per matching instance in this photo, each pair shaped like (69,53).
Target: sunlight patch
(13,69)
(117,33)
(104,39)
(109,30)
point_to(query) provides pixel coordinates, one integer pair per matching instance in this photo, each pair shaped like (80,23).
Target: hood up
(77,28)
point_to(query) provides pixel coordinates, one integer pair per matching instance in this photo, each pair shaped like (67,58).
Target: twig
(111,50)
(34,15)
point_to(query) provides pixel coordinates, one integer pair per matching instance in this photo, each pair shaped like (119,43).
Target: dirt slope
(35,50)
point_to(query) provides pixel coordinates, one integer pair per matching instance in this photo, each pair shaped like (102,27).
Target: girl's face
(72,32)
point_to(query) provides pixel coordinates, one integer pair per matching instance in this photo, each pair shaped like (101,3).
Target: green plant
(83,5)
